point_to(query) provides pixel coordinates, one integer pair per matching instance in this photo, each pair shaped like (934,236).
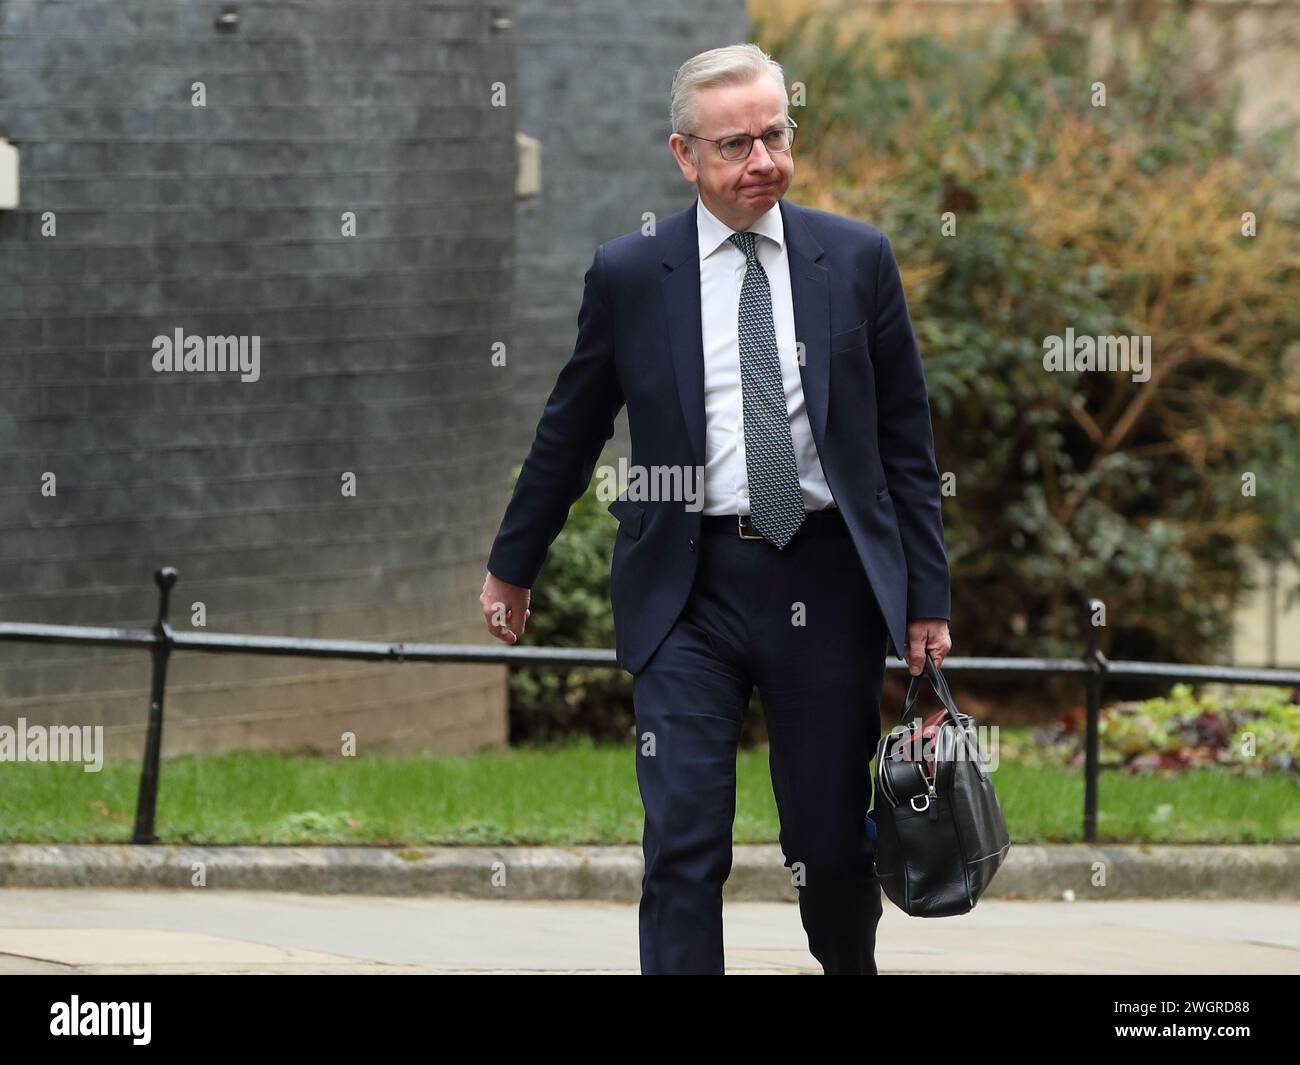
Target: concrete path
(204,930)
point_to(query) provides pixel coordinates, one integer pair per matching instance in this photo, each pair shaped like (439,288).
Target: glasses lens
(734,147)
(779,140)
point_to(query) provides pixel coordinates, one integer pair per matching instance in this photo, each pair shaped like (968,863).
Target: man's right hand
(505,608)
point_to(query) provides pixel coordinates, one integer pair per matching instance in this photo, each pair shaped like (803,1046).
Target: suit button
(692,543)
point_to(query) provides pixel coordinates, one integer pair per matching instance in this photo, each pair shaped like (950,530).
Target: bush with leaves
(1126,220)
(1252,730)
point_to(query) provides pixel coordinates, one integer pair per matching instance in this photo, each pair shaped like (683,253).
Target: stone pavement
(206,930)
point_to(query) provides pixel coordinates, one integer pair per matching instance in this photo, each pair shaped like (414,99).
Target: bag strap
(940,686)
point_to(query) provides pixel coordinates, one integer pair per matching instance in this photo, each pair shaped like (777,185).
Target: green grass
(562,794)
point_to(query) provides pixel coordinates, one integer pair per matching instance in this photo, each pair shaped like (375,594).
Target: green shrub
(1122,219)
(1252,730)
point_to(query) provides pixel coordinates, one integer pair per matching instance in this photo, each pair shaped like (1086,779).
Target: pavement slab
(204,930)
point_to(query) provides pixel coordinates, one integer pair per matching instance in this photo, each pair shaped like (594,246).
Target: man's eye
(733,144)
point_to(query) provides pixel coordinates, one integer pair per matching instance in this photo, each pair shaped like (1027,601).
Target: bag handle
(940,686)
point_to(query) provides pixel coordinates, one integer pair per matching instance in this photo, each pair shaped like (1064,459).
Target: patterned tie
(775,502)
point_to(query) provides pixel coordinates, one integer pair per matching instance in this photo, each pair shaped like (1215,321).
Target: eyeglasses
(739,145)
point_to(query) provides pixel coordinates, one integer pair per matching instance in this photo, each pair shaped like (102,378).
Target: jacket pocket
(851,338)
(629,515)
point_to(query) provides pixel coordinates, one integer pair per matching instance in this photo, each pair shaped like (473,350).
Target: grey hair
(734,64)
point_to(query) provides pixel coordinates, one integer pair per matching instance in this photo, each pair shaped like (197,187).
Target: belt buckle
(740,527)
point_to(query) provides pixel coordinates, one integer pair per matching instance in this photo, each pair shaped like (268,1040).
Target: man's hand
(926,634)
(505,608)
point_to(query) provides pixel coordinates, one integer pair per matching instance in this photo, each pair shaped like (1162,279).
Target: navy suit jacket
(640,344)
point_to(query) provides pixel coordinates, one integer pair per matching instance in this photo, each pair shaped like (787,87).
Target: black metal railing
(1093,666)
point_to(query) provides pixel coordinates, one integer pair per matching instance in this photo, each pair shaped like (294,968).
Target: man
(769,344)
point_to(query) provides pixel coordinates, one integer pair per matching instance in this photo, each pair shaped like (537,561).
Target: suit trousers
(802,625)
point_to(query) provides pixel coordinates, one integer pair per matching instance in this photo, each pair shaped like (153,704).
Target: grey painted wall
(226,220)
(375,349)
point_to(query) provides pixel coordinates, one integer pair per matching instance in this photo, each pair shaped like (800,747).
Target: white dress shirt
(722,272)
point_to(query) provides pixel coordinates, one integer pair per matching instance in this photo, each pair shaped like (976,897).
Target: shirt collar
(713,233)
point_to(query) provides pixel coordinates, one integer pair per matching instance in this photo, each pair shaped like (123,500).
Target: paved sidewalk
(204,930)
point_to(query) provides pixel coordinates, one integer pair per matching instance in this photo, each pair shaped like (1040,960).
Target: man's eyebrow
(744,132)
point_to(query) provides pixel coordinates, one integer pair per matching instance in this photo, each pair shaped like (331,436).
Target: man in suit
(767,345)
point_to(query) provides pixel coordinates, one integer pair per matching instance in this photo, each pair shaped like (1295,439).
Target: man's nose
(760,159)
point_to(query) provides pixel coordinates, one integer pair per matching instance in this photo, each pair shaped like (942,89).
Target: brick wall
(226,220)
(375,349)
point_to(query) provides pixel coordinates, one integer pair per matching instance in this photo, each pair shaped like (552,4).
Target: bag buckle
(919,809)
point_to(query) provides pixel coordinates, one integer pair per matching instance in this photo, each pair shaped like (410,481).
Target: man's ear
(680,147)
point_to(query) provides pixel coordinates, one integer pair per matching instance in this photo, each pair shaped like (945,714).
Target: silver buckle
(740,528)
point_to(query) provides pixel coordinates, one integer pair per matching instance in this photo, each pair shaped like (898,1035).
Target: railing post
(147,801)
(1095,680)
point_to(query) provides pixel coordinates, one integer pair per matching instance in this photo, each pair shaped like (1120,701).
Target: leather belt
(827,522)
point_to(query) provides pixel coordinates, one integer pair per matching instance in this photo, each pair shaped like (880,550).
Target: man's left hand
(927,634)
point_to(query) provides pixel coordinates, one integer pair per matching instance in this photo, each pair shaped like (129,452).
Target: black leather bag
(940,834)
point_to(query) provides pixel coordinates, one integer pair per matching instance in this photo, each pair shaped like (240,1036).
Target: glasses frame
(790,124)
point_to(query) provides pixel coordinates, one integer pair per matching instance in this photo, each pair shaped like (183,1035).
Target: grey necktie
(775,502)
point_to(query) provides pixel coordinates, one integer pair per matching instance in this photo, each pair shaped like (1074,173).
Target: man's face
(737,192)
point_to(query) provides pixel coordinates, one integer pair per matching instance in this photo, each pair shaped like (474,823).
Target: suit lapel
(681,294)
(810,293)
